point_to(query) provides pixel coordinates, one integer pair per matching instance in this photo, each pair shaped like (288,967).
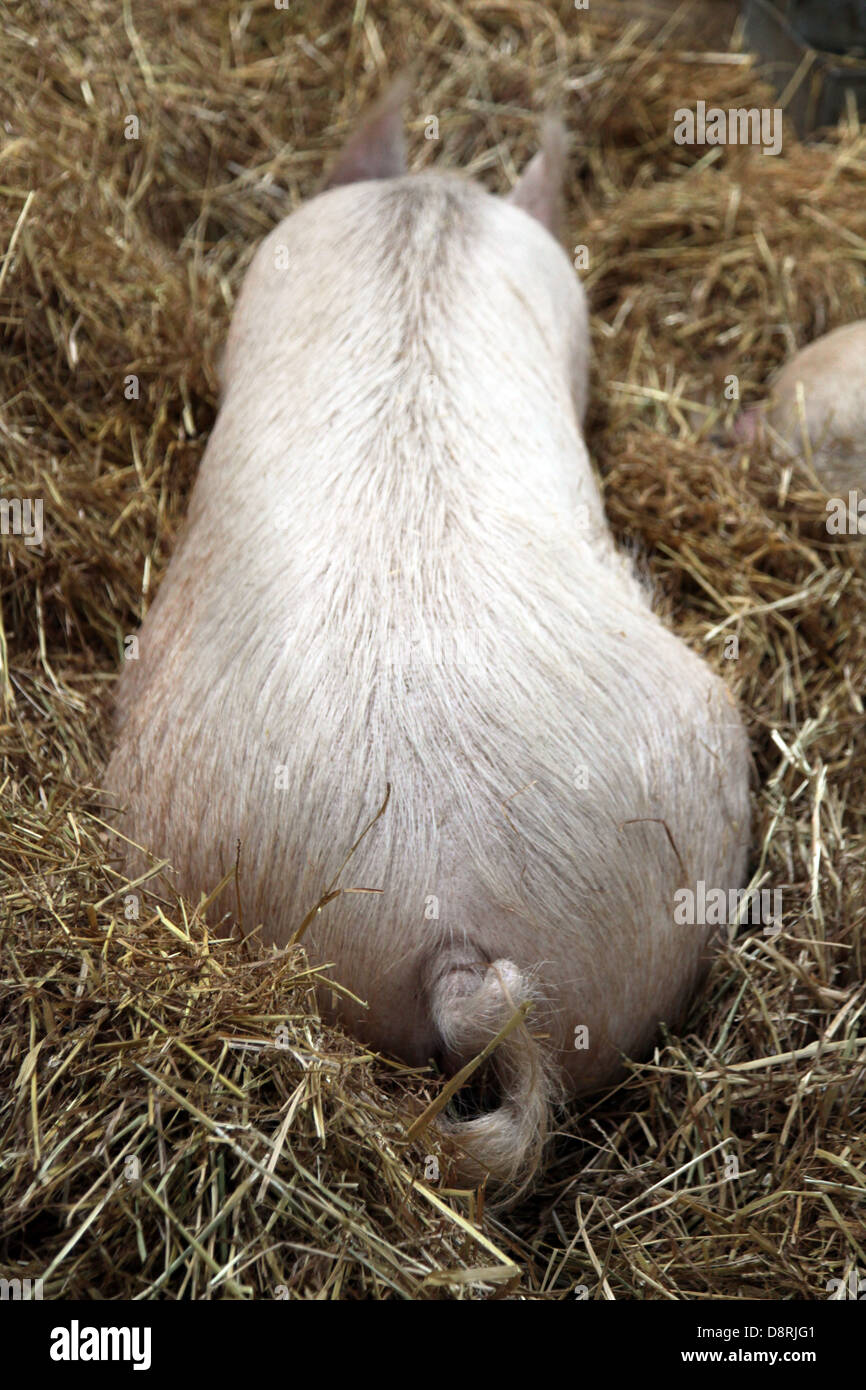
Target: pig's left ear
(377,150)
(539,189)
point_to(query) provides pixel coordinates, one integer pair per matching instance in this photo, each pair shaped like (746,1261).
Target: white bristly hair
(397,572)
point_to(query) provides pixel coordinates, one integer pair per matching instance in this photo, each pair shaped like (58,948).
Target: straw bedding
(175,1121)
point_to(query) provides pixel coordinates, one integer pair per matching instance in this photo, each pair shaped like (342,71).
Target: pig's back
(396,573)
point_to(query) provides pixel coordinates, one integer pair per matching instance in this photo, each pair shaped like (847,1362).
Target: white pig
(817,408)
(396,571)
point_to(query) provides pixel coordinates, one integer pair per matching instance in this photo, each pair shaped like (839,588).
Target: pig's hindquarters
(541,793)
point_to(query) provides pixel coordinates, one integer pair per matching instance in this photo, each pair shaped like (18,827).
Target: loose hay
(160,1136)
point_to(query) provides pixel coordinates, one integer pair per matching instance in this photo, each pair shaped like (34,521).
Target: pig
(829,429)
(399,671)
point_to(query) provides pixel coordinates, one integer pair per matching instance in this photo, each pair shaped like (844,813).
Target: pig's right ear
(377,150)
(539,189)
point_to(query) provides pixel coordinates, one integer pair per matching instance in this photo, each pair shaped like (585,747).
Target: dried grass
(157,1138)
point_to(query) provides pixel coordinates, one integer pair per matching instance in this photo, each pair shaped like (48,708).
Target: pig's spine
(470,1006)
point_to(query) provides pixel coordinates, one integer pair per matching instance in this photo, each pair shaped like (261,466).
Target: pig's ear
(377,150)
(539,189)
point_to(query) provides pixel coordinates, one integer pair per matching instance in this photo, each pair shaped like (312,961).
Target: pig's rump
(396,573)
